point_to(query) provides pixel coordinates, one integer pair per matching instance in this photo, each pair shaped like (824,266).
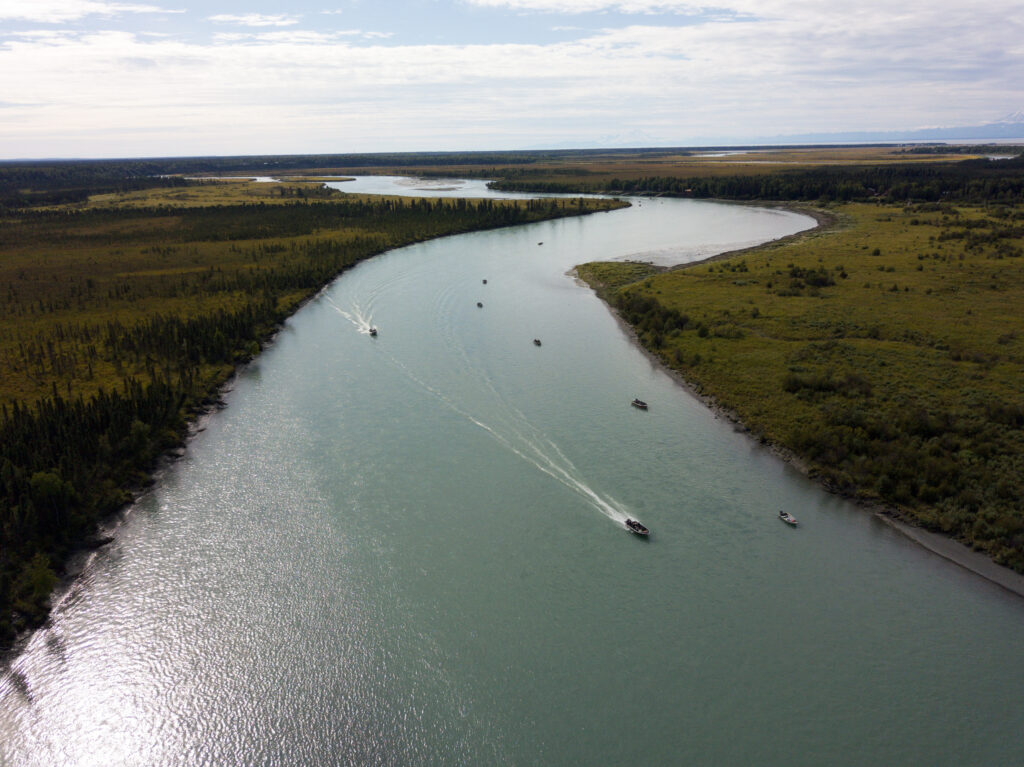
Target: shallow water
(408,550)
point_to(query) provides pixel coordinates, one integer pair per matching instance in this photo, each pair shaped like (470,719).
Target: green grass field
(887,351)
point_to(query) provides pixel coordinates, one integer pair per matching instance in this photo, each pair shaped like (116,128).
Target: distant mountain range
(1010,127)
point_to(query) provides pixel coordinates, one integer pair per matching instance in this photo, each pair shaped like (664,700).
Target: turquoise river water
(409,550)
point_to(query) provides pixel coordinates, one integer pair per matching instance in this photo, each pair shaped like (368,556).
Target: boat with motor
(373,332)
(479,305)
(788,518)
(639,403)
(635,527)
(536,342)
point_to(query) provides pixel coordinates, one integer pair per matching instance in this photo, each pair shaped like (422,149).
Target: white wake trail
(530,450)
(560,468)
(523,440)
(362,321)
(560,474)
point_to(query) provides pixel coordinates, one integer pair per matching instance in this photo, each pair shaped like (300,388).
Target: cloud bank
(673,70)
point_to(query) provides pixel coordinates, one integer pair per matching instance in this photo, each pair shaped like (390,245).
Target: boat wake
(362,320)
(558,467)
(514,431)
(505,423)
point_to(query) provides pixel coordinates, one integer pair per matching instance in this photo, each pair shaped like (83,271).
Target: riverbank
(153,313)
(825,221)
(702,376)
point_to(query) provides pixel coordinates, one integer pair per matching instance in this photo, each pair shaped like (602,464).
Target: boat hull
(636,528)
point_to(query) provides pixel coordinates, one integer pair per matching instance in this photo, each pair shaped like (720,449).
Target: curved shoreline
(941,545)
(104,532)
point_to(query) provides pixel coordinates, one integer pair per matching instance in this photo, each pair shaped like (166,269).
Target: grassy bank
(886,352)
(123,314)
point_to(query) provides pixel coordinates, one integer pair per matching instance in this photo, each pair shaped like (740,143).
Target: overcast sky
(92,78)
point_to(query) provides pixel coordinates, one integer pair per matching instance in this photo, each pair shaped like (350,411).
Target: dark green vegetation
(65,181)
(974,180)
(886,353)
(28,185)
(119,323)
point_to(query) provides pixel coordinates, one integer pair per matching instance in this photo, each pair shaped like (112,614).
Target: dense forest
(59,181)
(120,323)
(974,180)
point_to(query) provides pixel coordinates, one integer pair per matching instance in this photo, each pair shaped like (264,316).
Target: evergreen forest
(122,318)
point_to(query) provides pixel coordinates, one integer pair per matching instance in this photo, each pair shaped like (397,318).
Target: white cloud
(298,37)
(60,11)
(255,20)
(828,11)
(290,37)
(592,6)
(280,90)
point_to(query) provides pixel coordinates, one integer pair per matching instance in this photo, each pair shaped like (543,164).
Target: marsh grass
(594,170)
(887,352)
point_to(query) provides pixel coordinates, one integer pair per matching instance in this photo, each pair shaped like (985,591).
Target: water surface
(409,550)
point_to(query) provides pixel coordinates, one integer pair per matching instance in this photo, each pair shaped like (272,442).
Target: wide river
(409,550)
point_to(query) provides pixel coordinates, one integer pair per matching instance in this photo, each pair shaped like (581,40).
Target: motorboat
(479,305)
(788,518)
(485,282)
(639,403)
(373,332)
(635,527)
(536,342)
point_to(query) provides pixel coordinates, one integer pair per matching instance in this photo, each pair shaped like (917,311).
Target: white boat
(788,518)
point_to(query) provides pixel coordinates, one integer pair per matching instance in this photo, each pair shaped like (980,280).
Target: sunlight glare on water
(408,549)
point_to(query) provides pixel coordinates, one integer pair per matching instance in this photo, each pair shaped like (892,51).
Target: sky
(93,78)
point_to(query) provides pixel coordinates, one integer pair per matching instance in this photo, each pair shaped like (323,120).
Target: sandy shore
(951,550)
(958,553)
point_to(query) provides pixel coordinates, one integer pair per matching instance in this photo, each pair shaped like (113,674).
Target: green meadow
(885,351)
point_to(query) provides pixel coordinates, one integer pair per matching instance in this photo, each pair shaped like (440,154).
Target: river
(409,550)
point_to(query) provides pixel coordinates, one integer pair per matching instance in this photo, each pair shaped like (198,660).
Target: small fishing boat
(536,342)
(788,518)
(635,527)
(373,332)
(639,403)
(479,305)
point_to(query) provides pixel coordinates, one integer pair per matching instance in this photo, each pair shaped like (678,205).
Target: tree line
(123,354)
(965,181)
